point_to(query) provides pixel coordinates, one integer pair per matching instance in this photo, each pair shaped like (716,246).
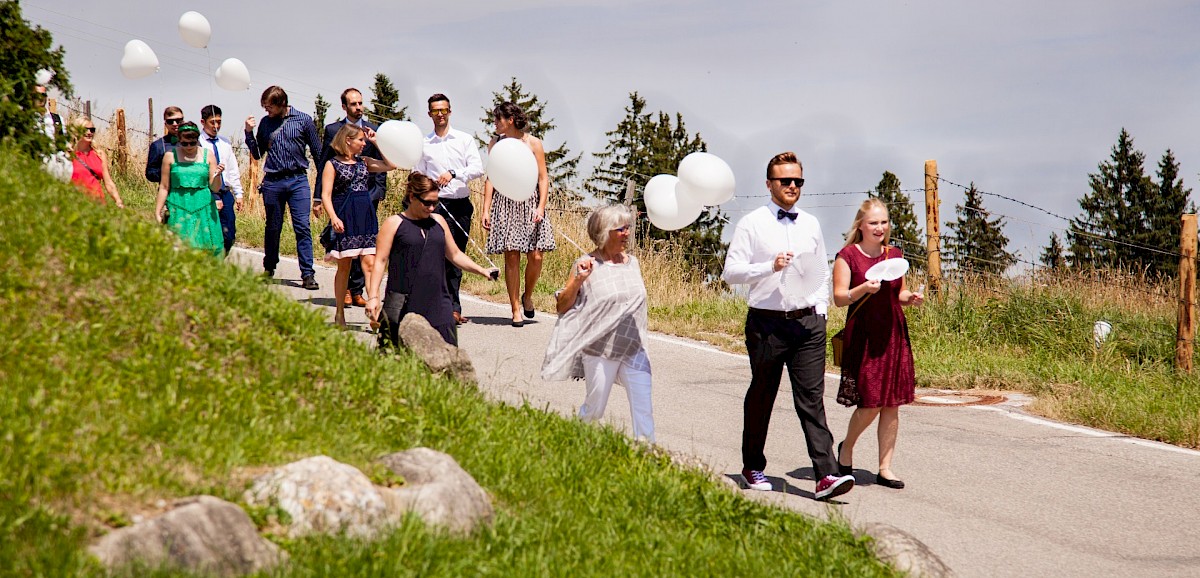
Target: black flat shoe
(888,483)
(843,470)
(518,324)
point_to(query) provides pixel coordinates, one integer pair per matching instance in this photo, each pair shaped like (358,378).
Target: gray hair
(605,219)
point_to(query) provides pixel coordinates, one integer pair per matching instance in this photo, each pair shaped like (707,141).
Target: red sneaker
(833,486)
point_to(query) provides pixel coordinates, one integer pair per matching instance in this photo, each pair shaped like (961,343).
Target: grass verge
(137,370)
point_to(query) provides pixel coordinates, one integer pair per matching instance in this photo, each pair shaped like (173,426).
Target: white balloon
(401,143)
(706,178)
(513,169)
(139,60)
(665,207)
(194,29)
(44,76)
(233,75)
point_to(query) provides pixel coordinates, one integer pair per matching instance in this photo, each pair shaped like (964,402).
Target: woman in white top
(601,331)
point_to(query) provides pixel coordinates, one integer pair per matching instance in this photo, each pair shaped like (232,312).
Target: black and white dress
(352,203)
(513,228)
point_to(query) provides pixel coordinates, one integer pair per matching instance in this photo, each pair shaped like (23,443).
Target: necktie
(782,213)
(217,157)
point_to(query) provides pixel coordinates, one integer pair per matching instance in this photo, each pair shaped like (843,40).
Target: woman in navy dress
(877,360)
(412,248)
(345,197)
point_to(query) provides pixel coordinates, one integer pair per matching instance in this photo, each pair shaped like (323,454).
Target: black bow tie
(782,213)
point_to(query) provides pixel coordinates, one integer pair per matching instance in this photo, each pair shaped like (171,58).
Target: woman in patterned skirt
(345,197)
(516,227)
(877,360)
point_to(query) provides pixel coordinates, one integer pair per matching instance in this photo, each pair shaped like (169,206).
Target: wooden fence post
(150,104)
(630,193)
(1185,331)
(933,235)
(122,143)
(252,198)
(87,109)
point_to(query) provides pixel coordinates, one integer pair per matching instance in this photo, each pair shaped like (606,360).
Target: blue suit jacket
(376,182)
(158,150)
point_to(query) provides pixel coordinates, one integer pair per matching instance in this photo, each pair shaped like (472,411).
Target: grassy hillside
(136,370)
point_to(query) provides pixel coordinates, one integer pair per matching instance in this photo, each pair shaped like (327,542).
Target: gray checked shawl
(608,320)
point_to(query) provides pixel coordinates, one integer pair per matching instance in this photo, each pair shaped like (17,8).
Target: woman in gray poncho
(601,329)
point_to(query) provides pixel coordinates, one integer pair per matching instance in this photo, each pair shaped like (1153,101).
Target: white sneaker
(832,486)
(755,480)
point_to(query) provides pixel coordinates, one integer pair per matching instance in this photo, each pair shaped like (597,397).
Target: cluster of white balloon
(140,60)
(675,202)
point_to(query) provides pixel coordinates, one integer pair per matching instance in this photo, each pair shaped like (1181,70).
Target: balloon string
(211,79)
(454,220)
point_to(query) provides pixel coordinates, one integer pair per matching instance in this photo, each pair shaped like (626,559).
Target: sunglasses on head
(174,120)
(789,181)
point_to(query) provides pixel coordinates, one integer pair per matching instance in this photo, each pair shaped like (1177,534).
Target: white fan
(887,270)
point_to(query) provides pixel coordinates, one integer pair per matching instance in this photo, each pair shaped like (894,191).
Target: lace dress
(877,359)
(352,204)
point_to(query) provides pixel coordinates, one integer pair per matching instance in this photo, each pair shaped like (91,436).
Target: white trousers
(600,374)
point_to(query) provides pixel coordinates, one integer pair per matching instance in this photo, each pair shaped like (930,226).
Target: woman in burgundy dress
(877,360)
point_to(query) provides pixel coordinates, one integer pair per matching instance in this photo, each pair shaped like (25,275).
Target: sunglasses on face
(428,204)
(188,143)
(621,229)
(789,181)
(439,112)
(174,120)
(90,130)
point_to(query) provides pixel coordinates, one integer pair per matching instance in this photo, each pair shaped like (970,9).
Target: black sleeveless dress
(417,269)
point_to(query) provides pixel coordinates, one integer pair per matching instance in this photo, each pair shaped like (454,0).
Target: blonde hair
(854,235)
(341,141)
(605,219)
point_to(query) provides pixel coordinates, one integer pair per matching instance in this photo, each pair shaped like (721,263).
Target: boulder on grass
(202,535)
(323,496)
(438,490)
(416,334)
(905,552)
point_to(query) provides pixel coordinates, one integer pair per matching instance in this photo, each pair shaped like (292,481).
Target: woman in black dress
(412,248)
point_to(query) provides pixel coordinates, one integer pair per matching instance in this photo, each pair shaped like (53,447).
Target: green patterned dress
(193,212)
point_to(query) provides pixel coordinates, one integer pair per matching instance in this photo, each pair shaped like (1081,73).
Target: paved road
(992,490)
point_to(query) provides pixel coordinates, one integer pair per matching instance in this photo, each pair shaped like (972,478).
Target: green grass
(136,370)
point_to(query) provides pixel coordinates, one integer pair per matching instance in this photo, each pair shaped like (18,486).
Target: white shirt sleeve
(739,269)
(474,168)
(233,174)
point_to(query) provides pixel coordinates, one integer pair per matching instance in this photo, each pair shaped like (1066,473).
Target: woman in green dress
(187,193)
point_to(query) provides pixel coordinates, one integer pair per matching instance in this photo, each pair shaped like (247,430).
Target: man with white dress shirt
(220,151)
(451,158)
(784,328)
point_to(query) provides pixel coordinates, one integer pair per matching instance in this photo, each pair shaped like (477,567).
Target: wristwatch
(452,174)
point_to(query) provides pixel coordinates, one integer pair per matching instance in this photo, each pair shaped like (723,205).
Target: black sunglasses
(429,204)
(189,143)
(173,121)
(90,130)
(789,181)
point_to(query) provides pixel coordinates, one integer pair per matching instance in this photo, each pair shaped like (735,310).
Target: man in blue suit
(172,118)
(352,103)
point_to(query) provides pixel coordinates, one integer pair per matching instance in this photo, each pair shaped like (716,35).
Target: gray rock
(418,335)
(438,490)
(906,553)
(202,534)
(322,496)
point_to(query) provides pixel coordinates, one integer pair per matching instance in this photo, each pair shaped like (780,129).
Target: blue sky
(1023,98)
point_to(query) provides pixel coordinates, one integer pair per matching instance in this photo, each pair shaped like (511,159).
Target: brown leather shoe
(459,319)
(348,300)
(359,301)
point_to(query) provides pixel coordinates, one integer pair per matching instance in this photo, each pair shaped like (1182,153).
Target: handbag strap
(88,167)
(886,251)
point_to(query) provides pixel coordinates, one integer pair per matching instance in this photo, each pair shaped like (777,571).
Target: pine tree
(1169,203)
(646,144)
(906,231)
(976,242)
(563,169)
(24,49)
(1114,225)
(1052,255)
(383,105)
(320,107)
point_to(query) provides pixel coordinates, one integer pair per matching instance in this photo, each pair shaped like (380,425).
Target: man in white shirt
(771,244)
(451,158)
(58,163)
(220,151)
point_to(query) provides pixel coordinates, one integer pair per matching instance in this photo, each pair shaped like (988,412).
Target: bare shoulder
(392,222)
(534,142)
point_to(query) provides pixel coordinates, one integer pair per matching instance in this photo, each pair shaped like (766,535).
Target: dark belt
(793,314)
(283,174)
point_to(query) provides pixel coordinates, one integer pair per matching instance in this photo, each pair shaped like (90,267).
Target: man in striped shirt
(283,135)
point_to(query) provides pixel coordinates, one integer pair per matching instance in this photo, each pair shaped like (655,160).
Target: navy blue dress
(352,203)
(417,269)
